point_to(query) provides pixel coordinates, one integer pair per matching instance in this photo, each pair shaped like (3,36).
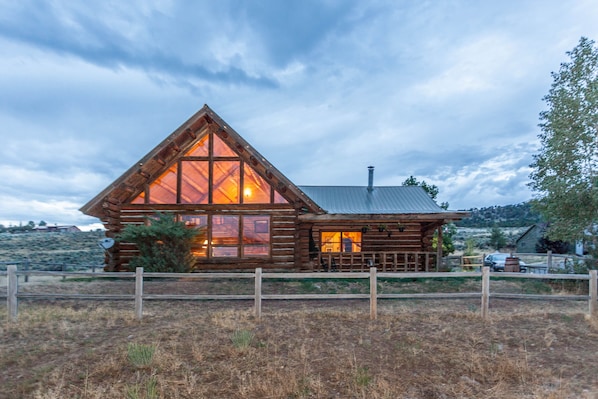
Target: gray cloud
(448,92)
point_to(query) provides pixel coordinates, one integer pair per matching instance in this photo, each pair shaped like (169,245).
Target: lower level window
(230,236)
(340,241)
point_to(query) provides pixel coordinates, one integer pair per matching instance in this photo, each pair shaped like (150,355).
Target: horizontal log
(273,209)
(111,206)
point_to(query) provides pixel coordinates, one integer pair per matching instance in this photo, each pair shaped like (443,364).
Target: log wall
(415,237)
(282,229)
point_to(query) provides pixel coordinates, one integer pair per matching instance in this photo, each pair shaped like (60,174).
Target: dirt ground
(299,349)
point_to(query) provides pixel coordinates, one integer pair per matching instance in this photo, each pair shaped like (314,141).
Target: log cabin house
(250,215)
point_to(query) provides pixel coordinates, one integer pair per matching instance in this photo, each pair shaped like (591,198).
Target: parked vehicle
(496,262)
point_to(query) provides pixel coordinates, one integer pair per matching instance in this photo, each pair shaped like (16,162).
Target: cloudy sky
(448,91)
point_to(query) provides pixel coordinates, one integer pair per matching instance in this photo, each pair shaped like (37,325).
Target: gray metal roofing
(381,200)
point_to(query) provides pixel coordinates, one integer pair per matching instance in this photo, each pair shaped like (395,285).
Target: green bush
(164,245)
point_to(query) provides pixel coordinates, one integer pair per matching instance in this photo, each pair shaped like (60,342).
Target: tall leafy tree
(565,172)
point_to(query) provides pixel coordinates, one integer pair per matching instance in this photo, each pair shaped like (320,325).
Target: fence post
(26,267)
(485,291)
(548,261)
(373,294)
(593,292)
(12,287)
(139,292)
(258,293)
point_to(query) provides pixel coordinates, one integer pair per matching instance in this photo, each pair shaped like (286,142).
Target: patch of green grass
(242,339)
(535,287)
(363,377)
(310,286)
(147,390)
(140,355)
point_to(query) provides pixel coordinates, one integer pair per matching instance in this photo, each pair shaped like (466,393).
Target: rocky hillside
(519,215)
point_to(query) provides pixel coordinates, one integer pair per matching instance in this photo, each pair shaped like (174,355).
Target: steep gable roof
(131,183)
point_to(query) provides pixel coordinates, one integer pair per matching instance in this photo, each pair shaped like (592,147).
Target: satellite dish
(106,243)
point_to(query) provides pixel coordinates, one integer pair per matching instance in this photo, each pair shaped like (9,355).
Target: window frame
(356,245)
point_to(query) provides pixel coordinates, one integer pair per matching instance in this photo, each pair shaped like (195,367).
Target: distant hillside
(519,215)
(79,248)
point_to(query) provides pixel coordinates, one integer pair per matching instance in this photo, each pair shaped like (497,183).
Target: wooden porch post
(439,249)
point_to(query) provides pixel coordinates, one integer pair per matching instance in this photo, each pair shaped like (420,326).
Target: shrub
(164,245)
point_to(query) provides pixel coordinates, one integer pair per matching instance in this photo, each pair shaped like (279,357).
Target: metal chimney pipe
(370,179)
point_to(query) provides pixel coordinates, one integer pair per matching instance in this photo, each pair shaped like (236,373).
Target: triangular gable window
(201,148)
(210,172)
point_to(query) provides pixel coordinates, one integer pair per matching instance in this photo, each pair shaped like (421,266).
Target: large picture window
(340,241)
(226,236)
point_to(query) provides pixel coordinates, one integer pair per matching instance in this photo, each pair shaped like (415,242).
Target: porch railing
(383,261)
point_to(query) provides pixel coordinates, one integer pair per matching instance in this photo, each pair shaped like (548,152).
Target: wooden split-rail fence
(13,294)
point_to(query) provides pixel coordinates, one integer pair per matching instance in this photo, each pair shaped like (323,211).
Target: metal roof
(381,200)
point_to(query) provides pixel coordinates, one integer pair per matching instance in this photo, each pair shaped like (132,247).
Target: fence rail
(13,295)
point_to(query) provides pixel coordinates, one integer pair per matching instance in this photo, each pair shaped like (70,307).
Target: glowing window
(189,183)
(337,241)
(163,190)
(201,148)
(199,247)
(221,149)
(279,199)
(226,182)
(194,182)
(225,236)
(255,189)
(256,235)
(140,199)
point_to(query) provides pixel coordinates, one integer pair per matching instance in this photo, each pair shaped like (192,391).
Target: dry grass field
(299,349)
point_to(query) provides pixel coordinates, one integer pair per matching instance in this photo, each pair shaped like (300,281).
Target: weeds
(242,339)
(143,390)
(363,378)
(140,355)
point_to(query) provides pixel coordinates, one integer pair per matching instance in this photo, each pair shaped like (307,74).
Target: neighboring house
(527,241)
(56,229)
(250,215)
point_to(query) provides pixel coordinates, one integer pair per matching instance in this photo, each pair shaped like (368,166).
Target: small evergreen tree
(497,238)
(164,245)
(448,231)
